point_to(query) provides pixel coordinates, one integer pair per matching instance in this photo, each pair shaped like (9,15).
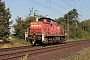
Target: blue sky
(52,8)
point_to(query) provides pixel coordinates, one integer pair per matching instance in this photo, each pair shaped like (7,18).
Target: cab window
(42,20)
(48,20)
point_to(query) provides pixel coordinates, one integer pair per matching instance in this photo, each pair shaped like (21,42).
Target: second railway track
(18,52)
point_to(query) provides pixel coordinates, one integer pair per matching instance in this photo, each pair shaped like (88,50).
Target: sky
(52,8)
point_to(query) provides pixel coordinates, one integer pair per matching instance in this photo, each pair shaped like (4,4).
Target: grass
(14,42)
(81,55)
(76,39)
(19,42)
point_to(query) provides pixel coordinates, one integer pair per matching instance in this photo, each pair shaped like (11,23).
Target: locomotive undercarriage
(46,39)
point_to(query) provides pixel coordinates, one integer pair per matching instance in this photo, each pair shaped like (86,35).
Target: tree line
(73,27)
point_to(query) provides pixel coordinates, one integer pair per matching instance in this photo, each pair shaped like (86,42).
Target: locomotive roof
(46,18)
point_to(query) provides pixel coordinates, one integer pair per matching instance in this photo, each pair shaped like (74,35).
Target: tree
(21,26)
(71,19)
(70,22)
(4,21)
(85,25)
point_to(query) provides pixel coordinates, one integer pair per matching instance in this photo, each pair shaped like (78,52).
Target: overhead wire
(84,3)
(70,5)
(64,1)
(82,8)
(67,3)
(57,5)
(48,2)
(40,4)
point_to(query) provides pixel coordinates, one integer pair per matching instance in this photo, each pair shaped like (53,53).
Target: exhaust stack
(36,19)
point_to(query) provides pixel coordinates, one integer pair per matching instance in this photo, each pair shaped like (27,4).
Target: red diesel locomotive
(45,31)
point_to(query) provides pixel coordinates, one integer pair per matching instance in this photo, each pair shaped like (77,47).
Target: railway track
(18,52)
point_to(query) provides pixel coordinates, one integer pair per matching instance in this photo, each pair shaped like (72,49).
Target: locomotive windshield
(48,20)
(42,20)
